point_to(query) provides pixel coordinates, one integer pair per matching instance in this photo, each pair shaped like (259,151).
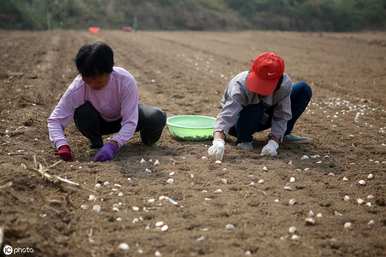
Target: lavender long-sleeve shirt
(118,99)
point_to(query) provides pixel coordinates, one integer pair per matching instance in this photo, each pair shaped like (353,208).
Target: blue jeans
(258,117)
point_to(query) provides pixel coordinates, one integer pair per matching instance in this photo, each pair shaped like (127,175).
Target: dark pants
(258,117)
(90,123)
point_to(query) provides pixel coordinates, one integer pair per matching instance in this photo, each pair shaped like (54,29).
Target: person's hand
(107,152)
(217,149)
(270,148)
(64,153)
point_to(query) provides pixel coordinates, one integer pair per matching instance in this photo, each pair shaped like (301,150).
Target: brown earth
(186,73)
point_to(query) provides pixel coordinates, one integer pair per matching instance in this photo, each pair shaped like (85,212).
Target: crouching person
(259,99)
(103,100)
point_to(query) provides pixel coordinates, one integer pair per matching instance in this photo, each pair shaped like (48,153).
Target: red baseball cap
(265,73)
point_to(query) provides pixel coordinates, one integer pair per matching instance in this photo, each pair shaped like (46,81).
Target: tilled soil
(237,208)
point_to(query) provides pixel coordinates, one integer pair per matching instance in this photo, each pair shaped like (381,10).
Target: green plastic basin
(191,127)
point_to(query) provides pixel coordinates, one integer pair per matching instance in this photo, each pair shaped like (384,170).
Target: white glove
(217,149)
(270,148)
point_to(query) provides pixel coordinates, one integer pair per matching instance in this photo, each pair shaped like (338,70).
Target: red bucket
(94,29)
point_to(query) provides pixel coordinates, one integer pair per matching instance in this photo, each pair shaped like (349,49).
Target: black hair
(278,85)
(94,59)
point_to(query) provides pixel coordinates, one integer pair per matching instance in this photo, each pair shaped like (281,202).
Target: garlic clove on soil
(310,221)
(159,223)
(292,202)
(91,197)
(124,247)
(164,228)
(230,226)
(347,225)
(292,229)
(97,208)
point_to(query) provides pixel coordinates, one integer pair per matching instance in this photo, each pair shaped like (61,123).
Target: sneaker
(297,139)
(245,146)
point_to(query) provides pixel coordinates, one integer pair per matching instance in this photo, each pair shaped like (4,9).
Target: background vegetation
(305,15)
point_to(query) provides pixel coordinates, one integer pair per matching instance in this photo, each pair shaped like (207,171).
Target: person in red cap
(263,97)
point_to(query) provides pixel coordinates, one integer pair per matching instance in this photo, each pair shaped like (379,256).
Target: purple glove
(106,153)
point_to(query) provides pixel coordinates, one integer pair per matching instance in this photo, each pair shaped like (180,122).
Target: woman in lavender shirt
(102,100)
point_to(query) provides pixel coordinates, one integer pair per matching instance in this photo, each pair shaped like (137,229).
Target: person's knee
(157,118)
(305,89)
(84,114)
(80,113)
(153,124)
(85,109)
